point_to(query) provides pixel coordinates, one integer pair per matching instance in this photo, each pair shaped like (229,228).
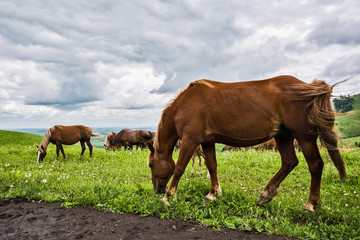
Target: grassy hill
(11,137)
(348,124)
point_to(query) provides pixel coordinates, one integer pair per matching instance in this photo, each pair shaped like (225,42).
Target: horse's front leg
(211,164)
(57,151)
(62,151)
(186,151)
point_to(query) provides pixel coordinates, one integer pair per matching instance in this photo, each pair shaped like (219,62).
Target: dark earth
(20,219)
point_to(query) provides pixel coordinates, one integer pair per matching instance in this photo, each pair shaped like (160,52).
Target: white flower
(11,185)
(6,165)
(44,180)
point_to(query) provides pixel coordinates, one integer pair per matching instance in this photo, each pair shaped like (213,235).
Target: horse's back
(70,134)
(248,112)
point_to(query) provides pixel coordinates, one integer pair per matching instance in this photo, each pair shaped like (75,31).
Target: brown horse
(245,114)
(268,145)
(127,138)
(108,140)
(67,135)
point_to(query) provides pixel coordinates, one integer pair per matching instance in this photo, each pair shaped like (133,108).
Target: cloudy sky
(112,63)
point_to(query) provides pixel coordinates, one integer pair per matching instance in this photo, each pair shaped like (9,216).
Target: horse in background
(244,114)
(200,154)
(109,138)
(268,145)
(67,135)
(127,138)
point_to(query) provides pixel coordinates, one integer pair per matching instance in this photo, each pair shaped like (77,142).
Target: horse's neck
(165,141)
(45,140)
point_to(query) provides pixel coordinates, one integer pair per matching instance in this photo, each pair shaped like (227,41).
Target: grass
(120,182)
(11,137)
(349,123)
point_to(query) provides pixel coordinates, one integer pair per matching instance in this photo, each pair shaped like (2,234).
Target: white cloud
(131,86)
(25,111)
(86,61)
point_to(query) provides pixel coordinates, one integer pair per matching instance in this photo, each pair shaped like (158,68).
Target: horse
(67,135)
(200,154)
(244,114)
(128,138)
(268,145)
(109,138)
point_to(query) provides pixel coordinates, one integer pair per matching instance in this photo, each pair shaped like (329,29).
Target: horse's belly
(250,128)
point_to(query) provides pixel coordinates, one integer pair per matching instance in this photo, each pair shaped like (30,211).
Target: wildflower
(346,205)
(6,165)
(44,181)
(11,185)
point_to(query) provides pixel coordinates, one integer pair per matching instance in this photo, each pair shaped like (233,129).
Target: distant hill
(348,123)
(12,137)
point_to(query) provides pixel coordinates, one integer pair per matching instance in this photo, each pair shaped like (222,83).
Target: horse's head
(162,167)
(41,153)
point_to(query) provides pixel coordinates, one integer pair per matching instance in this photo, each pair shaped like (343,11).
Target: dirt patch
(20,219)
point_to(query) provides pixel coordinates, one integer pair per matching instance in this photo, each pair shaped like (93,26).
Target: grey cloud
(335,31)
(186,40)
(343,67)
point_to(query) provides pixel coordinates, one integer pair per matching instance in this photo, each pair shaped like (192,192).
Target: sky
(112,63)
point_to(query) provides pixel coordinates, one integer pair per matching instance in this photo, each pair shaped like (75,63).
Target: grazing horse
(67,135)
(268,145)
(244,114)
(128,138)
(108,140)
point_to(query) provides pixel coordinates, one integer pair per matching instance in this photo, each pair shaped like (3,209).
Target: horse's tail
(93,134)
(322,115)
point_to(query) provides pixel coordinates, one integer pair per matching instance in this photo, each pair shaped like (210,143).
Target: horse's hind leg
(82,142)
(288,162)
(211,164)
(90,147)
(316,164)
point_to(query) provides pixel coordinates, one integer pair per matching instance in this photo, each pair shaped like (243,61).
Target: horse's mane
(201,82)
(47,136)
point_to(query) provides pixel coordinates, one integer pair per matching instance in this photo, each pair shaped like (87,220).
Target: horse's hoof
(165,201)
(308,207)
(263,200)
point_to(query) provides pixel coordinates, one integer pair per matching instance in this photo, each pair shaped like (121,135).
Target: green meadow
(120,182)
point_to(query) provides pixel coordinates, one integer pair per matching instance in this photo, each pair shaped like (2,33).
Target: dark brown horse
(67,135)
(108,140)
(127,138)
(244,114)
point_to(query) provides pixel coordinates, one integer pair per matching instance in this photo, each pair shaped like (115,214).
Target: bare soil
(20,219)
